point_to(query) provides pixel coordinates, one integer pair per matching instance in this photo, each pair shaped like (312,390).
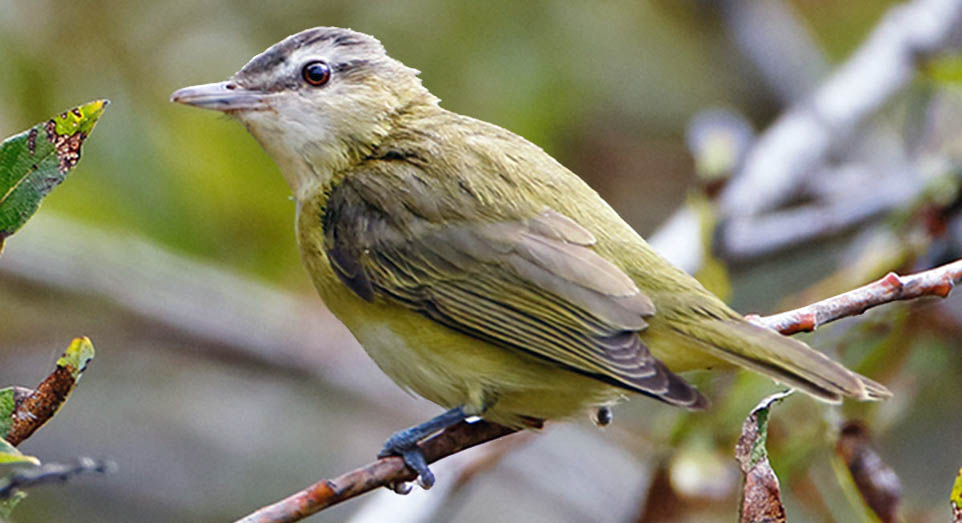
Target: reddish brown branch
(386,471)
(380,473)
(875,480)
(934,282)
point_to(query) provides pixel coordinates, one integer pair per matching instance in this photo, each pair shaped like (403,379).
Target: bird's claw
(401,487)
(411,453)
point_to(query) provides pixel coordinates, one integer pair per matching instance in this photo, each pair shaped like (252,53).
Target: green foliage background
(604,87)
(550,71)
(200,434)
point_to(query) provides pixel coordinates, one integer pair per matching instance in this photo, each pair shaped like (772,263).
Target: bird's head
(316,101)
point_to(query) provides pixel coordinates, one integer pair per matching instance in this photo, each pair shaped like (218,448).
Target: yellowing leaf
(77,356)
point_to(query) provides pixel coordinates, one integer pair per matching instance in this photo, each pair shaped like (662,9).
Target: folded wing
(533,284)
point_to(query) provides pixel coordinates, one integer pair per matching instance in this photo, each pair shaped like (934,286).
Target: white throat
(305,150)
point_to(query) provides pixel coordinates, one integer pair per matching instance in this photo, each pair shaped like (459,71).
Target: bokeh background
(222,384)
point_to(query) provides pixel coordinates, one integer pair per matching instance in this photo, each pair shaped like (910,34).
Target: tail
(788,361)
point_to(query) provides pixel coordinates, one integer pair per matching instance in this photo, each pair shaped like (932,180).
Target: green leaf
(7,406)
(9,455)
(35,161)
(751,446)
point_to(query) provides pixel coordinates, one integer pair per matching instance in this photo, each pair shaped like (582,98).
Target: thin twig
(204,302)
(934,282)
(458,470)
(380,473)
(774,38)
(796,148)
(799,142)
(745,238)
(52,473)
(876,481)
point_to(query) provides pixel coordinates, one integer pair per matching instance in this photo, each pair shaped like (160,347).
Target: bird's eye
(316,73)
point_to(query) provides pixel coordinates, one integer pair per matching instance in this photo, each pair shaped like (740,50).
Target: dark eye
(316,73)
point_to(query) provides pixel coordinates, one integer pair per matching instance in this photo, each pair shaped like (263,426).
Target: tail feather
(788,361)
(876,390)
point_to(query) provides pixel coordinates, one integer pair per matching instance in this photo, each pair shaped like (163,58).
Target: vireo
(476,270)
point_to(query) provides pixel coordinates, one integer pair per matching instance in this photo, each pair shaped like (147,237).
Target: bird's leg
(404,443)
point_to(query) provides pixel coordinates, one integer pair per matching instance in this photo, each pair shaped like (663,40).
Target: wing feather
(532,283)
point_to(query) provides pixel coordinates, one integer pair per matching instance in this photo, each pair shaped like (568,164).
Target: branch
(380,473)
(459,471)
(801,139)
(772,36)
(934,282)
(875,481)
(51,473)
(225,309)
(797,147)
(390,470)
(743,238)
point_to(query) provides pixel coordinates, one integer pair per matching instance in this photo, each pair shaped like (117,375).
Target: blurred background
(221,383)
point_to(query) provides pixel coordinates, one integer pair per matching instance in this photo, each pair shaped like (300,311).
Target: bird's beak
(221,96)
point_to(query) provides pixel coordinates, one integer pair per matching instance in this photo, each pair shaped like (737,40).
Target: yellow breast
(443,365)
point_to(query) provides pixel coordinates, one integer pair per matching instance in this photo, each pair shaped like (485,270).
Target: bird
(475,269)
